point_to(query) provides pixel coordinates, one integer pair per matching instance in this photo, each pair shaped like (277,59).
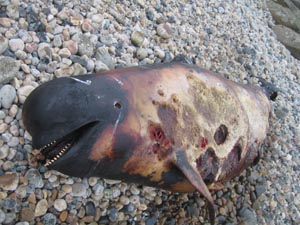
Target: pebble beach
(44,40)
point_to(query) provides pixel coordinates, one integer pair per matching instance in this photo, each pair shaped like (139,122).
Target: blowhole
(117,105)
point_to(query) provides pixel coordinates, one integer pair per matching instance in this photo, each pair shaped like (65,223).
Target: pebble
(60,205)
(9,68)
(7,96)
(87,45)
(100,67)
(27,214)
(2,216)
(103,56)
(49,219)
(71,45)
(141,53)
(9,181)
(24,91)
(90,209)
(3,44)
(34,178)
(164,30)
(16,44)
(137,38)
(41,208)
(78,190)
(64,53)
(44,50)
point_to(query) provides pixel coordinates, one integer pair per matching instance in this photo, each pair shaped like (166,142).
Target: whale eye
(117,105)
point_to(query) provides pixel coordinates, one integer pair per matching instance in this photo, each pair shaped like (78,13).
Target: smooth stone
(27,214)
(34,178)
(41,208)
(10,218)
(49,219)
(12,11)
(9,181)
(16,44)
(57,42)
(289,38)
(137,38)
(284,16)
(90,209)
(164,30)
(60,205)
(71,45)
(100,67)
(78,69)
(78,190)
(4,150)
(64,53)
(9,68)
(247,215)
(3,44)
(9,203)
(2,216)
(44,50)
(103,55)
(141,53)
(86,45)
(7,96)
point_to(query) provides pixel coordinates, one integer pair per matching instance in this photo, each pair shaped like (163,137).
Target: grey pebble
(16,44)
(4,151)
(44,50)
(113,215)
(78,190)
(100,66)
(9,203)
(13,142)
(164,30)
(260,189)
(2,216)
(7,96)
(86,45)
(3,44)
(141,53)
(247,215)
(10,217)
(137,38)
(34,177)
(103,56)
(9,68)
(90,208)
(49,219)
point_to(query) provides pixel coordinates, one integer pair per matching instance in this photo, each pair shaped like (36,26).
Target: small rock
(49,219)
(13,142)
(41,208)
(103,55)
(24,91)
(71,45)
(4,150)
(64,53)
(90,209)
(44,50)
(3,44)
(9,68)
(113,215)
(10,218)
(9,203)
(12,11)
(137,38)
(78,190)
(9,181)
(260,189)
(78,69)
(2,216)
(34,178)
(60,205)
(64,72)
(141,53)
(100,67)
(87,25)
(164,30)
(247,215)
(86,45)
(16,44)
(57,42)
(63,216)
(289,38)
(7,96)
(27,214)
(5,22)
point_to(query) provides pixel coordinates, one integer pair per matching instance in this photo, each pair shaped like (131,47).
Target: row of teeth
(50,161)
(47,146)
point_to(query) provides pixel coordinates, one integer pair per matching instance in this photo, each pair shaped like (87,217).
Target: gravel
(39,42)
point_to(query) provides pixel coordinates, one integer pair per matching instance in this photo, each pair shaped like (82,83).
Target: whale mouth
(56,149)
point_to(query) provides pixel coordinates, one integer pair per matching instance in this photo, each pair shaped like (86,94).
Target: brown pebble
(27,214)
(54,194)
(31,198)
(88,219)
(63,216)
